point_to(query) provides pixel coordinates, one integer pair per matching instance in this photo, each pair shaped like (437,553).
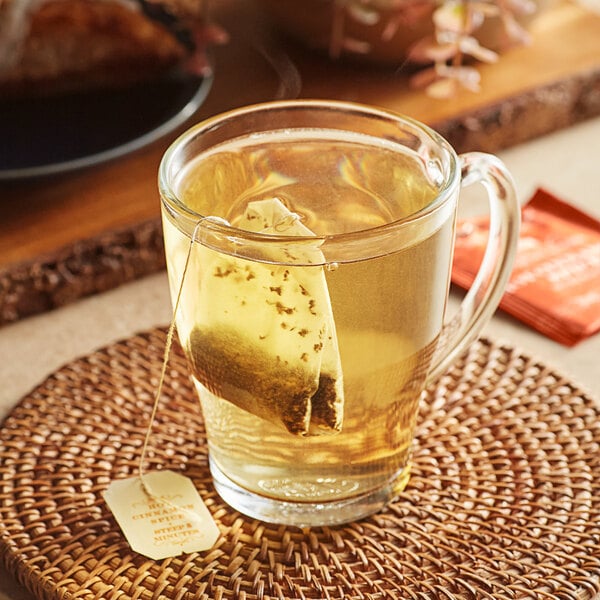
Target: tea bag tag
(161,515)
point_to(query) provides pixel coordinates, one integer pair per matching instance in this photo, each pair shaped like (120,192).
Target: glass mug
(312,310)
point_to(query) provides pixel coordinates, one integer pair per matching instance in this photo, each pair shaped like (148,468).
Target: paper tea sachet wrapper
(554,286)
(264,336)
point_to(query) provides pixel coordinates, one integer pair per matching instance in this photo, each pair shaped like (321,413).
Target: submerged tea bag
(264,336)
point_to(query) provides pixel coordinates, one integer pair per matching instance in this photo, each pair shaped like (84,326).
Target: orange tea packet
(555,283)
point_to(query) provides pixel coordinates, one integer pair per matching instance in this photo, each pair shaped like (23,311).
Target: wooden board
(67,236)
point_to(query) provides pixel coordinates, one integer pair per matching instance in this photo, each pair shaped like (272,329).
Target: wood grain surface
(67,236)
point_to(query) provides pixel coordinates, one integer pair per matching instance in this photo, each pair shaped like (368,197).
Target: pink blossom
(455,25)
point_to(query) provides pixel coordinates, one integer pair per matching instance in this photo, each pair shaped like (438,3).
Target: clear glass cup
(312,309)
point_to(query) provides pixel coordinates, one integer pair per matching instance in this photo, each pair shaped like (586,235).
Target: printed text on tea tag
(162,517)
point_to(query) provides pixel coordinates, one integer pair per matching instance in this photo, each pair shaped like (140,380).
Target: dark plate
(43,136)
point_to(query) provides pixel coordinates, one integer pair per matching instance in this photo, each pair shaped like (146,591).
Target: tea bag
(265,336)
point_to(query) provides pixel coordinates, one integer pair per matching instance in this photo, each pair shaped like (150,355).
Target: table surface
(564,162)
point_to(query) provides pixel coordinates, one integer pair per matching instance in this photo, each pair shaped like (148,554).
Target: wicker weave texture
(503,503)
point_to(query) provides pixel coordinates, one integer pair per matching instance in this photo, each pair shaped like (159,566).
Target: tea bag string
(166,354)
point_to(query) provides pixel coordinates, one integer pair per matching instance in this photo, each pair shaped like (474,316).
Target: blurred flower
(453,41)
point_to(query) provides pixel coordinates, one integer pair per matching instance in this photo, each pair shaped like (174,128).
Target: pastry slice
(59,46)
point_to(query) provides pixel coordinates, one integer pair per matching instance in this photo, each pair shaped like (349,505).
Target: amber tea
(379,304)
(309,326)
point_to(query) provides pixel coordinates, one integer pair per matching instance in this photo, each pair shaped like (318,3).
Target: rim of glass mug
(338,248)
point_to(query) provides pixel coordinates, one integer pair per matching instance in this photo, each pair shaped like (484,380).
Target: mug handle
(484,295)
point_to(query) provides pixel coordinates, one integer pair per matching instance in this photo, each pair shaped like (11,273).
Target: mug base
(305,514)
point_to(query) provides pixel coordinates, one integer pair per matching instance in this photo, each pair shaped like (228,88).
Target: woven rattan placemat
(504,500)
